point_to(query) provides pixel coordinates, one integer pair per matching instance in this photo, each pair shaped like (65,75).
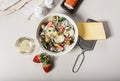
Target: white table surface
(102,64)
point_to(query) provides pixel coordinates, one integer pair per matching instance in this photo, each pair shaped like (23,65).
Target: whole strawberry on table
(45,60)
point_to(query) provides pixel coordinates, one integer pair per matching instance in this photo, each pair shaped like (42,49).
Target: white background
(101,64)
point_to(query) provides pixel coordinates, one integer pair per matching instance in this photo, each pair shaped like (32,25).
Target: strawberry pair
(45,59)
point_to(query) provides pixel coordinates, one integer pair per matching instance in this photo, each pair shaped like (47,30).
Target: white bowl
(69,48)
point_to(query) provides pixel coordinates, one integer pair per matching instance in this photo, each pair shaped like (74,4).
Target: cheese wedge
(91,30)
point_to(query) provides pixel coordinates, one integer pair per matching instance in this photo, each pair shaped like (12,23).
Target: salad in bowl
(57,34)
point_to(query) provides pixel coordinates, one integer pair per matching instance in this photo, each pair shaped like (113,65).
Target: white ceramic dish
(69,48)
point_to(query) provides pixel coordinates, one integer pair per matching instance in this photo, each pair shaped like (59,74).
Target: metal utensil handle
(73,69)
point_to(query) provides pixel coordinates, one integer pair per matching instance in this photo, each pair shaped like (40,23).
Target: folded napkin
(4,4)
(25,7)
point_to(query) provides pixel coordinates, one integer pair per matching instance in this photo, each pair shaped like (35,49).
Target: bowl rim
(62,52)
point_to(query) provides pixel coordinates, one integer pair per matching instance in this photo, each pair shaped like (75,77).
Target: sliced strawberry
(59,47)
(46,67)
(50,24)
(62,29)
(36,59)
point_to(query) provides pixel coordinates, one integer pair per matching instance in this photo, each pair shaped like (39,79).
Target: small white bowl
(69,48)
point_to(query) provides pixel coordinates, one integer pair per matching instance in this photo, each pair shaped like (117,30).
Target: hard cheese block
(91,30)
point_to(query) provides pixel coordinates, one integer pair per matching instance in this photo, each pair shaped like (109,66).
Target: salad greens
(56,34)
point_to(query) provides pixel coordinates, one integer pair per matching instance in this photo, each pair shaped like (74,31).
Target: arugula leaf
(73,38)
(60,19)
(44,44)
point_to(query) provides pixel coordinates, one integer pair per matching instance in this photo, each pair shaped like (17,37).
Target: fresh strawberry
(36,59)
(46,67)
(59,47)
(50,24)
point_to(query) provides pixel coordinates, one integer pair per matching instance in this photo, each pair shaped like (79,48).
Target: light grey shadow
(53,59)
(56,1)
(76,17)
(108,31)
